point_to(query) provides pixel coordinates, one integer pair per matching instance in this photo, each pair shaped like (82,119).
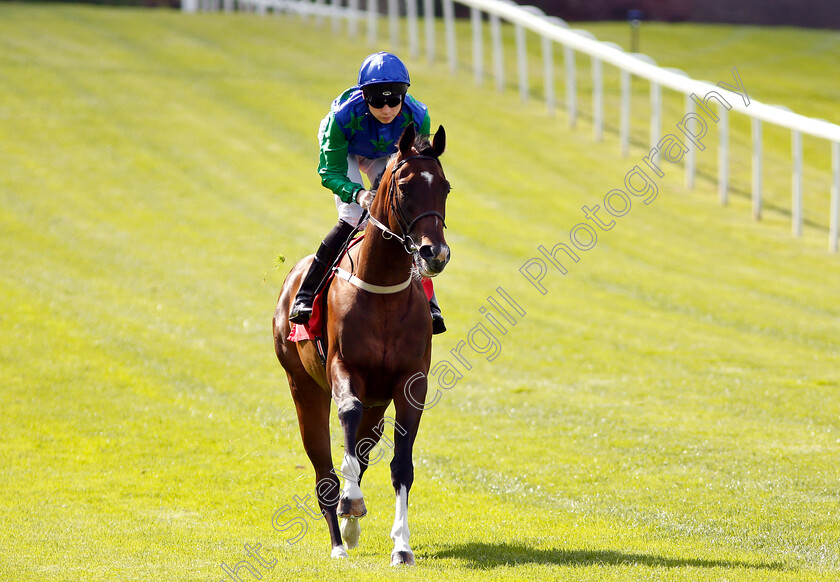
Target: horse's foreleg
(368,435)
(402,553)
(402,475)
(350,410)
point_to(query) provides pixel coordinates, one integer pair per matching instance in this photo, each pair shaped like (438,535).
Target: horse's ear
(407,140)
(439,141)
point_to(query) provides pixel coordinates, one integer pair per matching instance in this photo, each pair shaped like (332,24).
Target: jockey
(358,136)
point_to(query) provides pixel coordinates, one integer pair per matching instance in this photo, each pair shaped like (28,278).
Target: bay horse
(379,338)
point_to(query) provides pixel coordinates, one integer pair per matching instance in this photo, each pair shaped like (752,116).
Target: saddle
(314,330)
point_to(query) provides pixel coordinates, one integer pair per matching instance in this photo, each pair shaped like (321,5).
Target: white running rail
(551,31)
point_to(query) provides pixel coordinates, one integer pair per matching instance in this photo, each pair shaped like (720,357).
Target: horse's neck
(382,261)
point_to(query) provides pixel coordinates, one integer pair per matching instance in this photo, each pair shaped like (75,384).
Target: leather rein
(407,242)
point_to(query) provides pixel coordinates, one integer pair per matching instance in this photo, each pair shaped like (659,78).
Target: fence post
(394,23)
(413,40)
(571,90)
(691,155)
(796,186)
(624,130)
(655,112)
(498,51)
(548,65)
(598,93)
(834,226)
(598,99)
(522,62)
(449,24)
(353,18)
(335,12)
(372,18)
(723,155)
(756,168)
(584,34)
(478,48)
(429,15)
(548,74)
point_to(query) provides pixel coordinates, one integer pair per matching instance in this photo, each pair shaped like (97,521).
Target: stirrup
(301,311)
(313,282)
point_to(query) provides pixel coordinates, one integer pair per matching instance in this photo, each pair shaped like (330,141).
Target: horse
(379,336)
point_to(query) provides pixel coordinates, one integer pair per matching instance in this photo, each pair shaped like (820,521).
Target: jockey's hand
(365,198)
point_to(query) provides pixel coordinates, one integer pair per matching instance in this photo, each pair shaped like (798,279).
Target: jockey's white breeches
(351,212)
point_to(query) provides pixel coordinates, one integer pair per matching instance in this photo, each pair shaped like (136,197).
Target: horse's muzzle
(432,259)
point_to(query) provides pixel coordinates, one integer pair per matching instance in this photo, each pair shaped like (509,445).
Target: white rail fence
(553,31)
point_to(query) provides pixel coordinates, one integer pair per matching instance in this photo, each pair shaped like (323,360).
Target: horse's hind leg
(313,410)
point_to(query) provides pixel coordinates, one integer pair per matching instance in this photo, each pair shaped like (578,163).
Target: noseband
(405,226)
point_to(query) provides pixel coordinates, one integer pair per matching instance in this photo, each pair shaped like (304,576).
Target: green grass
(667,411)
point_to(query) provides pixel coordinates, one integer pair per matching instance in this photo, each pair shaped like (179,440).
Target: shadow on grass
(488,555)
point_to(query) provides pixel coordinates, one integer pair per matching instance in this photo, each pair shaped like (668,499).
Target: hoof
(350,531)
(338,552)
(352,507)
(402,558)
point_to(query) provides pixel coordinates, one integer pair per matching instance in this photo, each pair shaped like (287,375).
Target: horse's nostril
(427,252)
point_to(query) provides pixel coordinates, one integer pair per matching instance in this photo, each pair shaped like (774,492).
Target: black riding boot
(437,318)
(327,252)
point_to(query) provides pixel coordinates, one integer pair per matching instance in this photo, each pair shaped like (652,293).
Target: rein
(405,239)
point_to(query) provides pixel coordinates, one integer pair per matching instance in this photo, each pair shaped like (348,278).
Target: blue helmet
(383,67)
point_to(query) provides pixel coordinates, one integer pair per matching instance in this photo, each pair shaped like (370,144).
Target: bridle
(405,226)
(405,239)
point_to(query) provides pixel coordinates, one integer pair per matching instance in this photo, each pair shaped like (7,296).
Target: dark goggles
(379,101)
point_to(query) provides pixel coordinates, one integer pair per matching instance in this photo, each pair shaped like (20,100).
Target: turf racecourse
(666,411)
